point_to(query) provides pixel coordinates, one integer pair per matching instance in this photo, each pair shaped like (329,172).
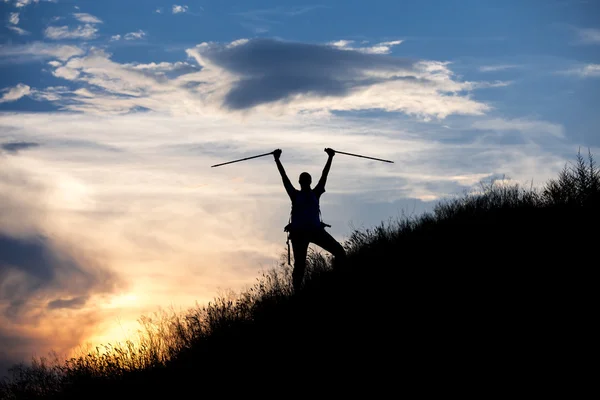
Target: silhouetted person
(306,226)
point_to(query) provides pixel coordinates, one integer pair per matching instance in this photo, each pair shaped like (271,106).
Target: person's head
(305,180)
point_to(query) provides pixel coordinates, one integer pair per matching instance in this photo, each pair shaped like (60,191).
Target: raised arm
(323,180)
(289,188)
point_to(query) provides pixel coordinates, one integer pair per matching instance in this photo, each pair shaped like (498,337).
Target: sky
(112,112)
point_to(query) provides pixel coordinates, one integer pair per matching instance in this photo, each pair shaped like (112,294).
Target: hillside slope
(489,294)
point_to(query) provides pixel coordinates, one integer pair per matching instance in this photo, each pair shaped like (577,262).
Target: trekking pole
(243,159)
(358,155)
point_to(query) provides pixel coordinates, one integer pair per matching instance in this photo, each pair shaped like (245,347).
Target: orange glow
(123,301)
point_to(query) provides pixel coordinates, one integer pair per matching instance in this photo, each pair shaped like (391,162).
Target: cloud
(15,93)
(135,35)
(529,127)
(29,266)
(51,93)
(263,71)
(65,73)
(129,36)
(379,48)
(495,68)
(37,51)
(86,31)
(14,18)
(163,68)
(42,276)
(87,18)
(24,3)
(488,85)
(252,75)
(585,71)
(237,42)
(342,44)
(20,31)
(13,21)
(179,9)
(158,11)
(589,35)
(15,147)
(74,303)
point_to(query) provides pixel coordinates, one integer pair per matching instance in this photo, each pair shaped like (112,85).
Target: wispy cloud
(238,42)
(18,30)
(13,21)
(379,48)
(164,68)
(87,18)
(14,18)
(589,35)
(584,71)
(15,93)
(529,127)
(15,147)
(158,11)
(495,68)
(86,31)
(129,36)
(37,51)
(25,3)
(51,93)
(176,9)
(135,35)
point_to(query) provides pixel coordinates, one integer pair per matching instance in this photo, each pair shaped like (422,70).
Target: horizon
(111,115)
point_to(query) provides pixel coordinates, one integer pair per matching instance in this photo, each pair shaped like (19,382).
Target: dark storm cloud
(272,70)
(32,268)
(76,302)
(29,255)
(40,275)
(36,279)
(15,147)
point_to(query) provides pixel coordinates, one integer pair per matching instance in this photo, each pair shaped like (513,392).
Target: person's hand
(277,154)
(330,152)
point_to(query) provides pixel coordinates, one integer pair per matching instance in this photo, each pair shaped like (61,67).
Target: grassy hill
(491,294)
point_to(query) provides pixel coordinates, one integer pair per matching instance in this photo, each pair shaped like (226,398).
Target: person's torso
(306,211)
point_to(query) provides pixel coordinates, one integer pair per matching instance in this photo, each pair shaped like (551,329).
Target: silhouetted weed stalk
(167,336)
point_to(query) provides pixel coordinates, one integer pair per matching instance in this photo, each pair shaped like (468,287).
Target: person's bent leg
(323,239)
(300,248)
